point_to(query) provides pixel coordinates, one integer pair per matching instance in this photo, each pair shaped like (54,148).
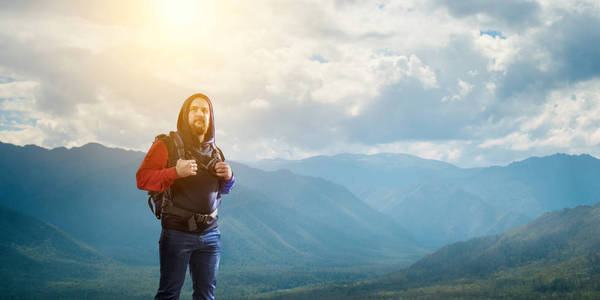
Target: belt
(192,217)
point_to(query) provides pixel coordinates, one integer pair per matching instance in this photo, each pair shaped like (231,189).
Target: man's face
(199,116)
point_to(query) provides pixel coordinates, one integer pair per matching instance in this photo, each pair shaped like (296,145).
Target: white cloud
(568,121)
(499,51)
(464,88)
(259,103)
(297,78)
(362,76)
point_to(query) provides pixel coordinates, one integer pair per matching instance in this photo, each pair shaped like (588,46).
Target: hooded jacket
(198,193)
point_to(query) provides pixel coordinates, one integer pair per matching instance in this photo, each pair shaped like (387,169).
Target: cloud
(514,13)
(259,103)
(500,51)
(559,53)
(464,88)
(568,121)
(470,82)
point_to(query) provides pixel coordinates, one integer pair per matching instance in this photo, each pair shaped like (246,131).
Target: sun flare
(181,19)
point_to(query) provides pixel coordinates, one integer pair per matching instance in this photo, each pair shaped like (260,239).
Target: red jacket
(153,174)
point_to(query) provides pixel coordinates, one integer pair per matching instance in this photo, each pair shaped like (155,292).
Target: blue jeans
(202,252)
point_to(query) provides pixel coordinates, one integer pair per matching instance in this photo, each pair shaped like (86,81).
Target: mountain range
(440,203)
(276,221)
(90,193)
(287,224)
(556,256)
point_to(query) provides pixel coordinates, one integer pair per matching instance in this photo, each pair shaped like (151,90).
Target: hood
(184,129)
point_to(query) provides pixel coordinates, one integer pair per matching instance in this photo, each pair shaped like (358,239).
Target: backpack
(160,202)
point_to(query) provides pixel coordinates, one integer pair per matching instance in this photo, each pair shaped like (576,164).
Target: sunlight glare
(186,19)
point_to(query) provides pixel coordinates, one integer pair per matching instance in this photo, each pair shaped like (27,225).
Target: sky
(472,83)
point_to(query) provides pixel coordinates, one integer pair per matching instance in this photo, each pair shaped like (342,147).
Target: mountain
(33,251)
(556,256)
(325,213)
(551,239)
(89,192)
(539,184)
(370,177)
(440,203)
(464,214)
(270,217)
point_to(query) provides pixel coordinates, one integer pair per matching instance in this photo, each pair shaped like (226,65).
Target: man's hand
(185,168)
(223,170)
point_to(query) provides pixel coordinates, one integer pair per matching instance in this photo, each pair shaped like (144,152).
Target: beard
(199,128)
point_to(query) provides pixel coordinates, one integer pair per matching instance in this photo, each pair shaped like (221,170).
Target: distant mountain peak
(557,157)
(93,146)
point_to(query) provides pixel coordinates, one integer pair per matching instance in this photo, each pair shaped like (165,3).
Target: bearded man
(194,184)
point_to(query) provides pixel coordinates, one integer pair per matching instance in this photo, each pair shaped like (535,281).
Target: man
(189,227)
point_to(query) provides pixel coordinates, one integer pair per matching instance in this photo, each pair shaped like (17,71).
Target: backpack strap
(218,151)
(221,157)
(171,148)
(160,201)
(178,141)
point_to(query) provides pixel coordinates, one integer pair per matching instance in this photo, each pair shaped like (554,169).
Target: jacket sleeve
(153,174)
(226,185)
